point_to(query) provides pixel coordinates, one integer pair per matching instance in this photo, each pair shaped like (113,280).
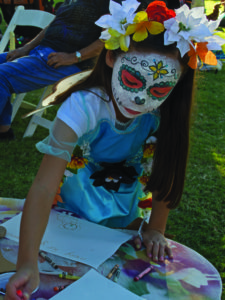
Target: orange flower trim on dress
(77,160)
(143,179)
(149,150)
(77,163)
(145,203)
(58,198)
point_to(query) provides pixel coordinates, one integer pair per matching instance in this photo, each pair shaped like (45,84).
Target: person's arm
(27,47)
(153,234)
(58,59)
(34,221)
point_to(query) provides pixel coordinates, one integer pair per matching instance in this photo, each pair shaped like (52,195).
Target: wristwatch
(78,55)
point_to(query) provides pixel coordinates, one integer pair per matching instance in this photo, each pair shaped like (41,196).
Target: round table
(187,276)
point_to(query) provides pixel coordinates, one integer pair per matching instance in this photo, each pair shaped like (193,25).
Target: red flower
(157,11)
(145,203)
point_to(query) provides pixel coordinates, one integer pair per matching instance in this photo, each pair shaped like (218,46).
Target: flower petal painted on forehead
(158,69)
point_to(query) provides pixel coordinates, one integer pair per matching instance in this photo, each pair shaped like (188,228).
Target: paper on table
(74,238)
(94,286)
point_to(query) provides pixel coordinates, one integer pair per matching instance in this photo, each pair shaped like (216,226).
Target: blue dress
(106,190)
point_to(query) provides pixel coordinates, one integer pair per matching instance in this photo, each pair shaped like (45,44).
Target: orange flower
(77,162)
(143,179)
(57,198)
(203,53)
(149,150)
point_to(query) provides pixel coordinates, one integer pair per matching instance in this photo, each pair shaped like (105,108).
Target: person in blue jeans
(67,46)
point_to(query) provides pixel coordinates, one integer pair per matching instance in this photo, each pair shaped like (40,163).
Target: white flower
(215,42)
(147,167)
(67,173)
(120,15)
(151,140)
(189,25)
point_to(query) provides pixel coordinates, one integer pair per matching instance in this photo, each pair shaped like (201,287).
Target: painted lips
(132,112)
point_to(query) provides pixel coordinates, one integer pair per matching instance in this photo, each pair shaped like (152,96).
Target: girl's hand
(25,279)
(155,243)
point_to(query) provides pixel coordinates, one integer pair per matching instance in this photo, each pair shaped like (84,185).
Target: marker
(2,232)
(143,273)
(117,275)
(60,288)
(2,293)
(21,295)
(72,277)
(48,259)
(112,271)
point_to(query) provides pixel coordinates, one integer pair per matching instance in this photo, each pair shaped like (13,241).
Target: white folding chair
(26,17)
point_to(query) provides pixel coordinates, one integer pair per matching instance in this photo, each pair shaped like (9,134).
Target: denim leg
(5,103)
(26,74)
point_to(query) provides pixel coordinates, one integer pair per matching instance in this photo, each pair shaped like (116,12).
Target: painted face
(141,82)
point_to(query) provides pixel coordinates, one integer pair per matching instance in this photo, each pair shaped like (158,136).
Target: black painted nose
(139,101)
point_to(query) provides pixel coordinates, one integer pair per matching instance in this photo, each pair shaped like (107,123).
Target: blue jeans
(26,74)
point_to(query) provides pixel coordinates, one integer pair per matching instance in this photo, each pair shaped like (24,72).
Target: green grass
(199,221)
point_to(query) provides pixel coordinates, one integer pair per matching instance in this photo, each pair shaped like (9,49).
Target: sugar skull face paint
(141,82)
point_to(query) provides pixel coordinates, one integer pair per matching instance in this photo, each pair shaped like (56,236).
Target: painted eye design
(131,80)
(160,91)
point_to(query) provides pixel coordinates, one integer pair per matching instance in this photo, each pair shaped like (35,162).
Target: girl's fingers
(169,252)
(137,242)
(149,247)
(161,253)
(26,296)
(155,251)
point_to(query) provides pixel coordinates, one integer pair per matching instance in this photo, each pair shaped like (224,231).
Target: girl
(140,86)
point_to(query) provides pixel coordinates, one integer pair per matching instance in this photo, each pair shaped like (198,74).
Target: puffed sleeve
(76,116)
(60,142)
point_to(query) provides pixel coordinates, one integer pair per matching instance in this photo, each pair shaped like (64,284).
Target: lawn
(199,221)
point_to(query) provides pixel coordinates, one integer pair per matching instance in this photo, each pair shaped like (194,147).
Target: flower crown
(189,28)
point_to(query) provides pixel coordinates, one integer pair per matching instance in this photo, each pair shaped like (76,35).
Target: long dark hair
(170,158)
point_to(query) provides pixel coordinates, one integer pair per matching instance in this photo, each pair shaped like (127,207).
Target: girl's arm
(34,221)
(37,207)
(153,235)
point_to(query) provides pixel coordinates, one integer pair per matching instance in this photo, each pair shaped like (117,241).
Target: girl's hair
(170,157)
